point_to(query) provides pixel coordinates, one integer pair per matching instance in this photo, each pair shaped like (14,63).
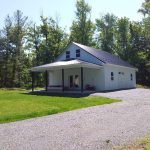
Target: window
(77,53)
(131,76)
(121,73)
(112,76)
(67,54)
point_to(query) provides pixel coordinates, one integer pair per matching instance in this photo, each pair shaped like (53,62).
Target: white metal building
(82,68)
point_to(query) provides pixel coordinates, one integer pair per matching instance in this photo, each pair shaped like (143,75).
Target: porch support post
(82,79)
(33,79)
(46,80)
(63,80)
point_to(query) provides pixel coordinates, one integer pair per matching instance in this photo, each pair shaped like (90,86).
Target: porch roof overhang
(64,65)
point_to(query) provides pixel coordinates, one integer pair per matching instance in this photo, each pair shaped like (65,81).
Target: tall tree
(13,52)
(82,29)
(6,50)
(55,39)
(18,35)
(145,9)
(139,53)
(2,60)
(123,46)
(33,41)
(106,27)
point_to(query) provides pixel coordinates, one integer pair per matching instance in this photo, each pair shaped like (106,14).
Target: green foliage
(13,55)
(24,44)
(145,10)
(106,27)
(82,29)
(17,105)
(123,38)
(55,40)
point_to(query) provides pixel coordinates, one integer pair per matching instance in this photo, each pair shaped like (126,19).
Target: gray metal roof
(104,56)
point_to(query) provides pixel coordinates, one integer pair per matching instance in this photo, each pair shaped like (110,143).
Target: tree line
(24,44)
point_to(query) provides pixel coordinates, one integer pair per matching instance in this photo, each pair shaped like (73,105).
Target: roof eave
(65,66)
(136,69)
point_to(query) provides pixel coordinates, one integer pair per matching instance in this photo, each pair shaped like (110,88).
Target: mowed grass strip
(141,144)
(16,105)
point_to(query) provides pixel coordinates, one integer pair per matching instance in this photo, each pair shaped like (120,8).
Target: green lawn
(142,86)
(16,105)
(143,144)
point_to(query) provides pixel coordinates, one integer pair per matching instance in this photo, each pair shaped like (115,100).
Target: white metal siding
(94,77)
(83,55)
(100,78)
(121,81)
(55,77)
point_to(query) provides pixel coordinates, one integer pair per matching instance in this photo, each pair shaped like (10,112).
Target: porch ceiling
(64,65)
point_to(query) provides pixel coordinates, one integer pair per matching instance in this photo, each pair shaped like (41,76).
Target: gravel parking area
(94,128)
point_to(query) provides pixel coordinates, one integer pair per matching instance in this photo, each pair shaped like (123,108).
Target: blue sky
(65,9)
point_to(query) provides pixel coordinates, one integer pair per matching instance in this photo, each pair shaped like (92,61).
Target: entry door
(74,81)
(71,81)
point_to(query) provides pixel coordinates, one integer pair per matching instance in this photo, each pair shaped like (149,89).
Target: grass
(143,144)
(142,86)
(16,105)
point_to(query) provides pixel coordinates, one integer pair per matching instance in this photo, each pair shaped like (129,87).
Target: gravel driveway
(99,127)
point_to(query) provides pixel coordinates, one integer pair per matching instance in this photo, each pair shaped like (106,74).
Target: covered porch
(74,76)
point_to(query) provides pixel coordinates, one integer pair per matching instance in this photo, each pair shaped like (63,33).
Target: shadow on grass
(71,95)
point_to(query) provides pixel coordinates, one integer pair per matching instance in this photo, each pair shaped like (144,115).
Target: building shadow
(59,94)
